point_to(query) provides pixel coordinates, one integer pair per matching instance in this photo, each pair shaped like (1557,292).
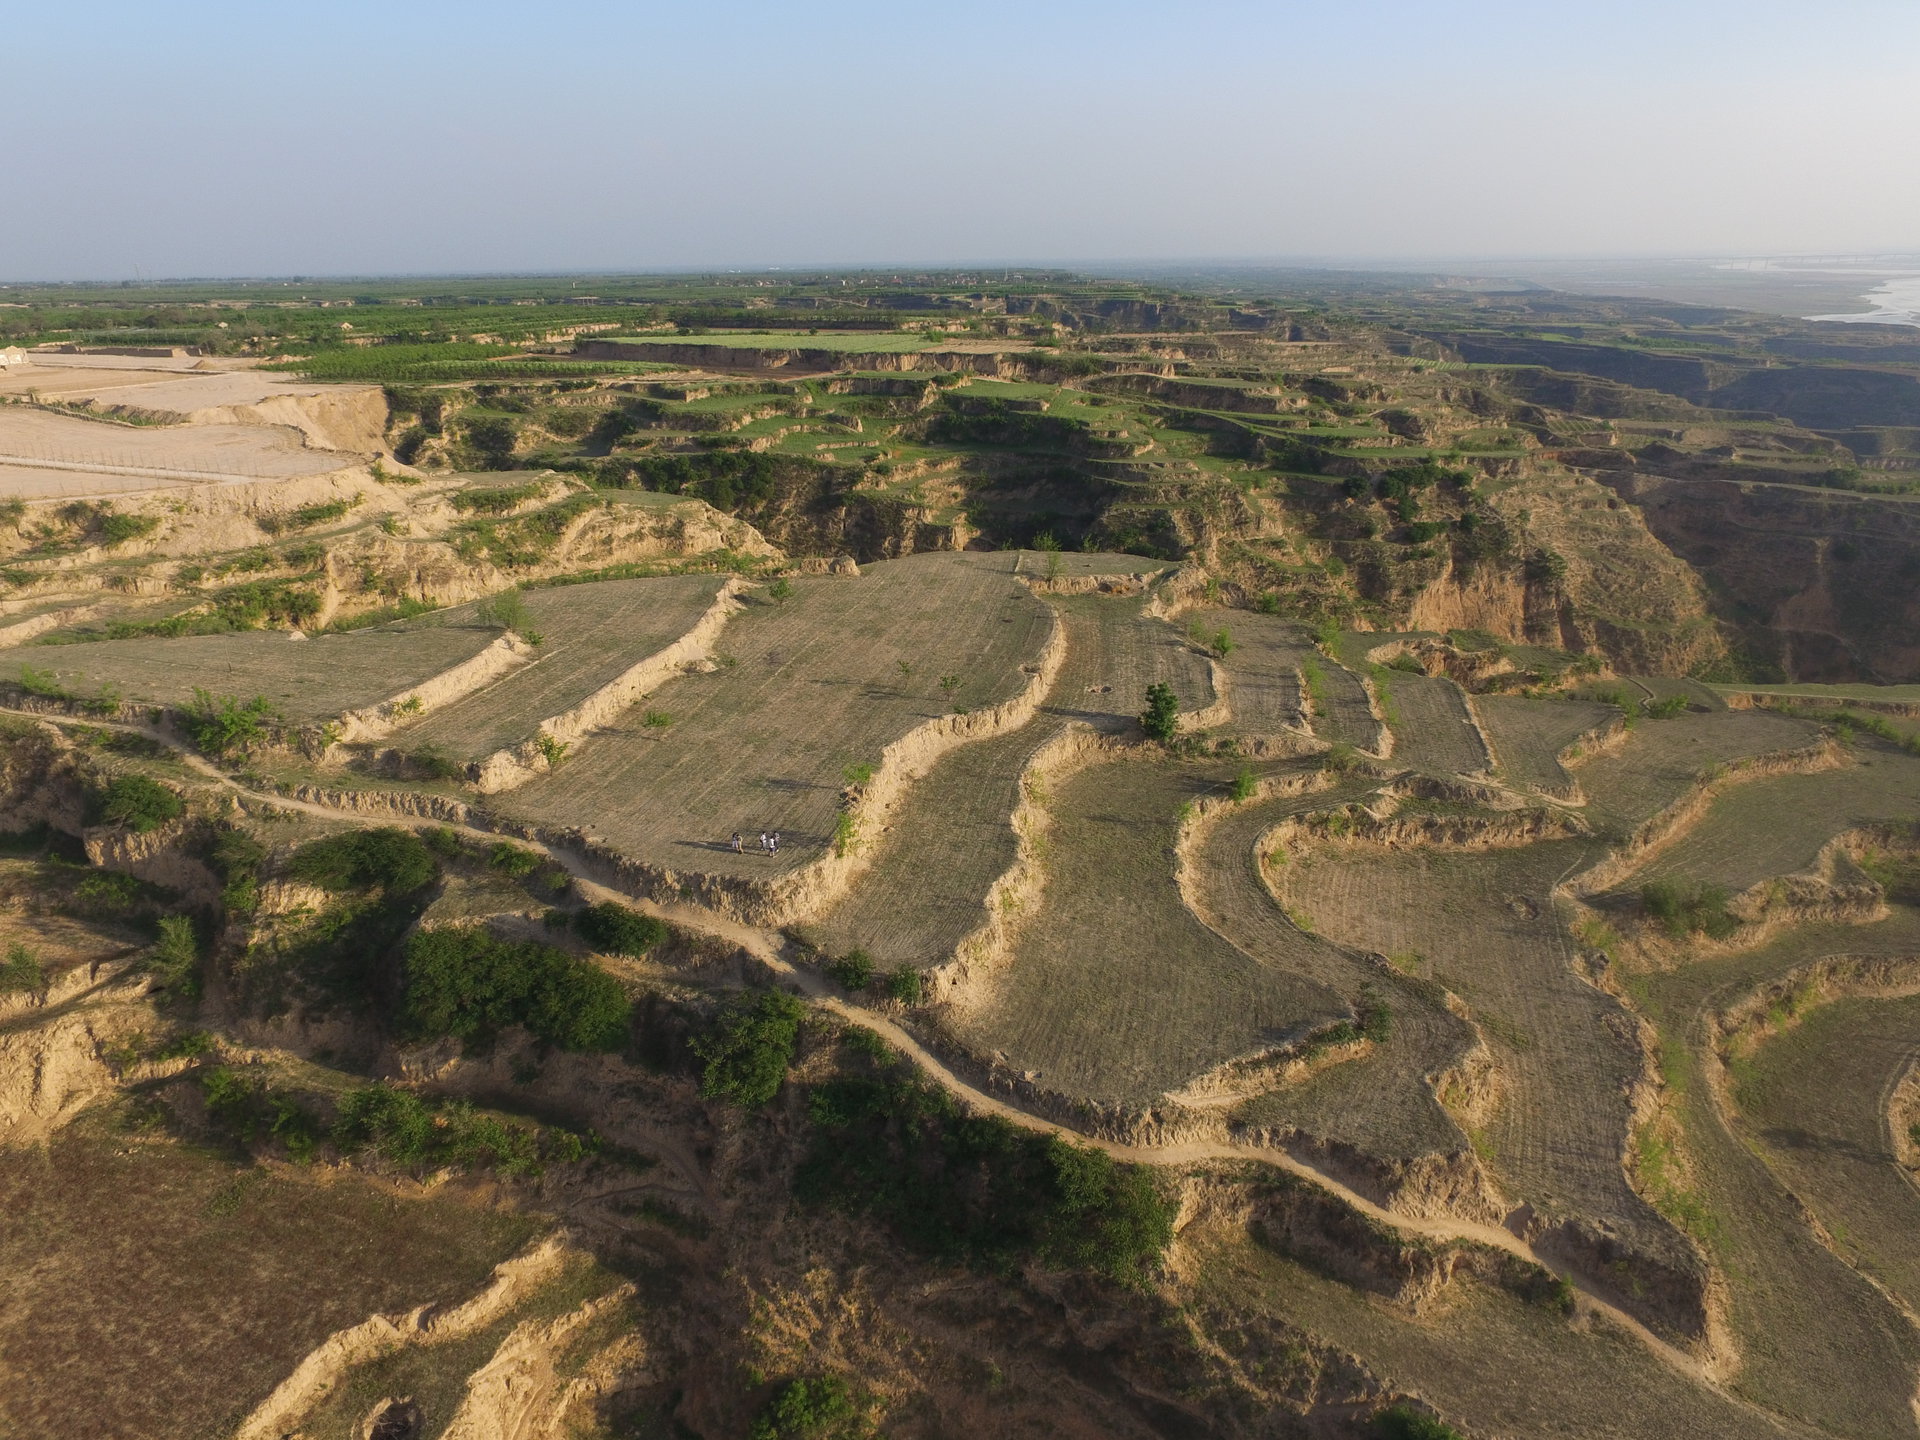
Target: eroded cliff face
(1818,585)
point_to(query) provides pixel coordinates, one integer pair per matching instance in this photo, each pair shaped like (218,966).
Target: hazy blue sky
(197,138)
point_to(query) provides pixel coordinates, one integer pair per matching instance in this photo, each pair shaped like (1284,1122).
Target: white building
(12,355)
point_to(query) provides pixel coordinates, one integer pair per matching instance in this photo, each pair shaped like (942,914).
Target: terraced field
(817,685)
(1777,825)
(1528,737)
(1815,1100)
(1263,668)
(946,845)
(1660,762)
(1115,992)
(590,634)
(1434,732)
(1483,925)
(309,680)
(1380,1105)
(1800,1314)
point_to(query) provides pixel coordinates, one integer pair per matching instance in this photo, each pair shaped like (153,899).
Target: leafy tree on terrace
(138,803)
(1161,718)
(615,930)
(465,983)
(749,1047)
(396,860)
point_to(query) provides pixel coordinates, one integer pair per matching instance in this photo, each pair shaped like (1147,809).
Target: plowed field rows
(1483,924)
(1435,733)
(816,687)
(310,680)
(590,634)
(1777,825)
(1550,1381)
(1662,758)
(1815,1097)
(1343,714)
(1380,1104)
(953,836)
(1824,1345)
(1263,668)
(1528,736)
(1115,991)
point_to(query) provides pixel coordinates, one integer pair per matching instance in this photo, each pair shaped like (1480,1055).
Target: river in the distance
(1894,302)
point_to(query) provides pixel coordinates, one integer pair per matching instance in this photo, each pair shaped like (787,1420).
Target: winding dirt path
(771,950)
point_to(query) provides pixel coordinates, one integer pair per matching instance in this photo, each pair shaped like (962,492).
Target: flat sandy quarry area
(45,455)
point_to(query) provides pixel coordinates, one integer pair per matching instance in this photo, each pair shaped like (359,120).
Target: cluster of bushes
(136,803)
(390,859)
(1684,910)
(467,984)
(397,1125)
(994,422)
(747,1050)
(523,539)
(725,479)
(222,724)
(615,930)
(855,971)
(977,1190)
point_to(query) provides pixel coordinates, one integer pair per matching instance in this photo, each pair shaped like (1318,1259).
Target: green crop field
(874,341)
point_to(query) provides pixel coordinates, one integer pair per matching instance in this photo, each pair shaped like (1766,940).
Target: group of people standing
(769,843)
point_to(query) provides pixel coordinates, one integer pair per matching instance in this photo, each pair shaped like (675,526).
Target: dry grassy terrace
(1805,1316)
(815,685)
(1662,759)
(308,680)
(1116,991)
(953,837)
(590,634)
(1528,737)
(1777,825)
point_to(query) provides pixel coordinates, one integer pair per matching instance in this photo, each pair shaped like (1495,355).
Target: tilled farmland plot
(1482,924)
(1263,668)
(1777,1271)
(1662,759)
(589,635)
(1434,731)
(946,845)
(1381,1104)
(307,680)
(819,683)
(1528,737)
(1815,1099)
(1115,992)
(1777,825)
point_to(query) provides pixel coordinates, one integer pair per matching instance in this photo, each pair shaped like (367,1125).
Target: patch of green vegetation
(1403,1422)
(21,970)
(745,1053)
(852,971)
(613,929)
(464,983)
(138,803)
(1685,910)
(390,859)
(977,1190)
(308,516)
(1161,718)
(174,960)
(821,1408)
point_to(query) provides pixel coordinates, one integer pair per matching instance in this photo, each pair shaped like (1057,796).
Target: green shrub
(465,983)
(1668,708)
(138,803)
(780,591)
(22,970)
(43,683)
(389,858)
(1403,1422)
(222,724)
(175,957)
(1244,786)
(852,971)
(615,930)
(395,1123)
(1684,910)
(513,859)
(819,1409)
(118,529)
(977,1190)
(746,1052)
(905,985)
(1161,718)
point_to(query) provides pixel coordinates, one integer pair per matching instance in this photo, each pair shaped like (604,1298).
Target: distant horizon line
(1876,259)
